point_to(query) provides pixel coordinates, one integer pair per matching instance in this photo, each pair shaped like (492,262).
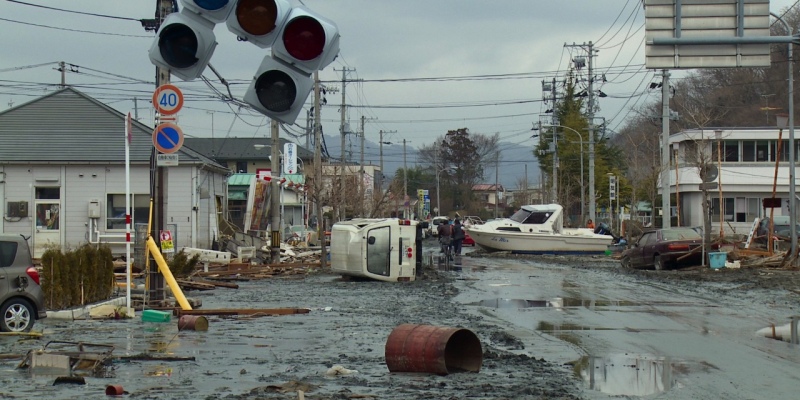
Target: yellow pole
(164,268)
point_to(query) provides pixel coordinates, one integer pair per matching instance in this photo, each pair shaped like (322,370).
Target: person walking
(458,236)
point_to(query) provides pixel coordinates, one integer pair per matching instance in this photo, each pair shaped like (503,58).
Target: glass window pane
(748,150)
(731,151)
(762,150)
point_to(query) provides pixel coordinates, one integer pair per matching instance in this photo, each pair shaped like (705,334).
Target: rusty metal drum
(433,349)
(193,323)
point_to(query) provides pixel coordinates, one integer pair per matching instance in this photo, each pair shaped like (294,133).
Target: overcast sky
(380,40)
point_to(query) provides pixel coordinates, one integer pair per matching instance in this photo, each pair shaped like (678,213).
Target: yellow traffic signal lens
(257,17)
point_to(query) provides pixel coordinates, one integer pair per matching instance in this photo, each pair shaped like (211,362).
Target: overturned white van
(383,249)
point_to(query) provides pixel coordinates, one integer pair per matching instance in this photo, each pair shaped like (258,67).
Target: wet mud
(336,351)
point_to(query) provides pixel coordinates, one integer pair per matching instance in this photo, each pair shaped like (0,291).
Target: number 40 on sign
(168,99)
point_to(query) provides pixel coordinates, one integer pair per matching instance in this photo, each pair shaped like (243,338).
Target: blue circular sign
(167,138)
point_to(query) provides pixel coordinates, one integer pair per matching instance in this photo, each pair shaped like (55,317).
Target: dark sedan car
(662,248)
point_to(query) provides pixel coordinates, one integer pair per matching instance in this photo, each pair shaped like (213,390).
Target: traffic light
(302,42)
(185,42)
(278,91)
(308,42)
(258,21)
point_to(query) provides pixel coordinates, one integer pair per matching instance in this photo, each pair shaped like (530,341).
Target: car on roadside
(21,296)
(664,248)
(781,229)
(435,222)
(468,241)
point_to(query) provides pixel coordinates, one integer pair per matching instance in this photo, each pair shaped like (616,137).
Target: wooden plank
(216,283)
(246,311)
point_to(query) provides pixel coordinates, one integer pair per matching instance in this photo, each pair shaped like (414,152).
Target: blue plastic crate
(717,259)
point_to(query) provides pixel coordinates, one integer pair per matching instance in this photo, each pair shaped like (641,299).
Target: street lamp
(583,213)
(438,205)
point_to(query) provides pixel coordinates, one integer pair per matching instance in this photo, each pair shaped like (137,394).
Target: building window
(728,209)
(115,210)
(748,150)
(241,167)
(730,151)
(762,150)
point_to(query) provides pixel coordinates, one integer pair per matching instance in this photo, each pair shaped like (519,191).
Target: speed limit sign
(168,99)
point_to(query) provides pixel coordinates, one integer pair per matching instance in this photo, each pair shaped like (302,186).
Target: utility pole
(274,196)
(155,291)
(590,106)
(381,151)
(665,206)
(405,181)
(496,185)
(318,169)
(342,198)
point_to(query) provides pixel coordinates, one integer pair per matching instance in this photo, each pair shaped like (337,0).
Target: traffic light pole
(274,199)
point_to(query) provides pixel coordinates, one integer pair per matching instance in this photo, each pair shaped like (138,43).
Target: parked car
(435,222)
(21,297)
(780,229)
(664,248)
(468,241)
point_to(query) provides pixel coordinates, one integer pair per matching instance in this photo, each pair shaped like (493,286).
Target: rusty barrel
(193,323)
(434,349)
(114,390)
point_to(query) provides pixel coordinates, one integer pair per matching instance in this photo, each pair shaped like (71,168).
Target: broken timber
(245,311)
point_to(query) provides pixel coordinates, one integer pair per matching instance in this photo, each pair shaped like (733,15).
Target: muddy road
(550,327)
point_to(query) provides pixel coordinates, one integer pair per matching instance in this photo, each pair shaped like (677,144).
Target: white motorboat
(538,229)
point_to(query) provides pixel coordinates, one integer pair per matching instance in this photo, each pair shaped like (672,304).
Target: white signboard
(166,160)
(289,158)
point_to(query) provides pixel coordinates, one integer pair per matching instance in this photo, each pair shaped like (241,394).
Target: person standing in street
(458,236)
(444,230)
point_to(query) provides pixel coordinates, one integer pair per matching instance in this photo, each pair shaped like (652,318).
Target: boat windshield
(527,217)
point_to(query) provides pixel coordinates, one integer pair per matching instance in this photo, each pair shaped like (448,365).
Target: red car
(468,240)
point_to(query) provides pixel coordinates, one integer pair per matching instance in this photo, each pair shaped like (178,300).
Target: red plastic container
(114,390)
(433,349)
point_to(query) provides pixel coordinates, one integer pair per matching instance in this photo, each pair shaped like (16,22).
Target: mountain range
(513,159)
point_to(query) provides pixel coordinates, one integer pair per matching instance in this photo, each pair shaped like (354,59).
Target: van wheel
(626,262)
(17,316)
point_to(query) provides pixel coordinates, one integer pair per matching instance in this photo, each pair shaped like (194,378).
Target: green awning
(240,179)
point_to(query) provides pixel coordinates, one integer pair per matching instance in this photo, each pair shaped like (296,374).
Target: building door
(47,231)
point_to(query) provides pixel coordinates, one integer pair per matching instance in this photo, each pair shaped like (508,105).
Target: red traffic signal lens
(178,45)
(276,91)
(257,17)
(304,38)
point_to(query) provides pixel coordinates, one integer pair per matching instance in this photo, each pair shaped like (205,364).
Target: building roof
(240,149)
(487,187)
(68,126)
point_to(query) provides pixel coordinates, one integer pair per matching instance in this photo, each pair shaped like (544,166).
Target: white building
(62,177)
(748,170)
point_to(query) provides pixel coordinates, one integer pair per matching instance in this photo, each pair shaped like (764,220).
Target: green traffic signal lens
(304,38)
(178,46)
(276,91)
(257,17)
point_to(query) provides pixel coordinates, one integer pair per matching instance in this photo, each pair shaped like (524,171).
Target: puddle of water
(561,302)
(626,374)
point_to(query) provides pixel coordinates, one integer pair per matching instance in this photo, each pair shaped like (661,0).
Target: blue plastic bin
(717,259)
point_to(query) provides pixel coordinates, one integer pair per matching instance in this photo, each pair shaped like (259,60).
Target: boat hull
(545,243)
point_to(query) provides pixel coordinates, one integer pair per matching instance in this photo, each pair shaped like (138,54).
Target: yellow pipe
(164,268)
